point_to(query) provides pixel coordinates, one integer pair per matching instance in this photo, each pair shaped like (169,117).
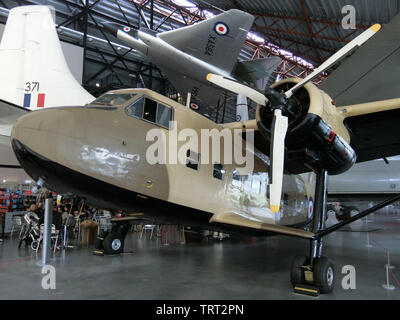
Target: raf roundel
(310,208)
(127,29)
(194,106)
(221,28)
(238,118)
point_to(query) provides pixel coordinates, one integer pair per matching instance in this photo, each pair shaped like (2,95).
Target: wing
(372,73)
(252,70)
(9,113)
(217,41)
(205,95)
(233,219)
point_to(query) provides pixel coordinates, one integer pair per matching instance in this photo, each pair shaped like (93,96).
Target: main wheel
(98,244)
(324,275)
(297,270)
(113,243)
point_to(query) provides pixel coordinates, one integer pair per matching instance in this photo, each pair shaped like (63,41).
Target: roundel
(221,28)
(310,208)
(194,106)
(238,118)
(127,29)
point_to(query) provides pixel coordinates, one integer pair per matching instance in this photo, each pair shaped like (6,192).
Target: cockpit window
(113,99)
(152,111)
(164,115)
(135,109)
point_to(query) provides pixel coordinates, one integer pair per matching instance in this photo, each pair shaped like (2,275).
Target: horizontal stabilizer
(9,113)
(7,156)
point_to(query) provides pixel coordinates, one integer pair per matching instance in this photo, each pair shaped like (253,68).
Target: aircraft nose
(37,135)
(35,129)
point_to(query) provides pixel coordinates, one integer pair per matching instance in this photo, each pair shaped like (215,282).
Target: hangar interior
(177,261)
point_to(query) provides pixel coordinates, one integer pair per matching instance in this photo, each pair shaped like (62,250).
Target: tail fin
(217,41)
(34,71)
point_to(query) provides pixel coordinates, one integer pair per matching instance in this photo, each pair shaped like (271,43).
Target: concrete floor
(248,270)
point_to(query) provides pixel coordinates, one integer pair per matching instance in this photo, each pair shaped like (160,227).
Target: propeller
(277,157)
(284,108)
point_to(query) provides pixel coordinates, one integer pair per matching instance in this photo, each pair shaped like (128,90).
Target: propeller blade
(357,42)
(238,88)
(278,131)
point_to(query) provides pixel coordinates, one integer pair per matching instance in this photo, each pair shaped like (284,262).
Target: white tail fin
(34,73)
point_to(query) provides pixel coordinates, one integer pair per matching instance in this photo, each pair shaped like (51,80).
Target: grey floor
(246,269)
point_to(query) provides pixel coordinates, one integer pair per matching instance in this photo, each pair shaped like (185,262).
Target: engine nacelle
(316,136)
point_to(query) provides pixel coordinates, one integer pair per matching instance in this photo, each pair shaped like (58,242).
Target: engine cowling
(316,136)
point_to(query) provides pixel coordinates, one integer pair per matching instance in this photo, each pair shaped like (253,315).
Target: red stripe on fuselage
(40,100)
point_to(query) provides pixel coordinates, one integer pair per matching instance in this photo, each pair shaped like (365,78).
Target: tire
(98,244)
(324,275)
(113,243)
(297,270)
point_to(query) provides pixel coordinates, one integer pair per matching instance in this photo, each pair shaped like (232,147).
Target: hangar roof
(302,32)
(310,28)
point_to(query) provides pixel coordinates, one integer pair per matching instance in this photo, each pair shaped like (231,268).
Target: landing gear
(98,244)
(315,270)
(297,271)
(316,274)
(321,275)
(113,243)
(324,275)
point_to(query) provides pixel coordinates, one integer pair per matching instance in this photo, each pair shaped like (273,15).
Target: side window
(150,110)
(193,160)
(164,115)
(218,171)
(136,108)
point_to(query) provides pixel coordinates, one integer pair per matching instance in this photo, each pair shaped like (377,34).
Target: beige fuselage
(109,145)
